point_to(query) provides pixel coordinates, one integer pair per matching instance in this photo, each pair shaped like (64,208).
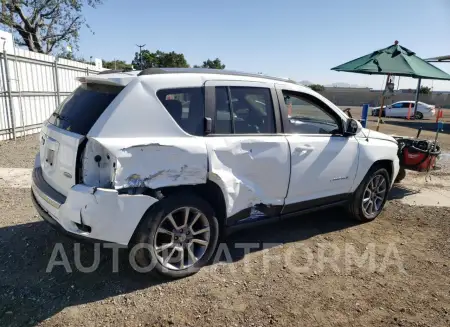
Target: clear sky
(298,39)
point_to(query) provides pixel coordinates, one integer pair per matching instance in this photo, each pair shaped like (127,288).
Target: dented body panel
(156,162)
(111,216)
(250,170)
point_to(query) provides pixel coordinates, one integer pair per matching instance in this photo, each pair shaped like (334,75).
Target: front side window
(244,110)
(186,106)
(308,115)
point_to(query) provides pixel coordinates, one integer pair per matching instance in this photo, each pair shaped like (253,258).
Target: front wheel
(370,196)
(177,237)
(419,115)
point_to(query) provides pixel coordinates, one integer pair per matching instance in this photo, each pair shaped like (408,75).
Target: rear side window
(186,106)
(250,110)
(80,110)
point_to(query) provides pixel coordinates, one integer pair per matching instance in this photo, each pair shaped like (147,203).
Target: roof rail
(114,71)
(156,71)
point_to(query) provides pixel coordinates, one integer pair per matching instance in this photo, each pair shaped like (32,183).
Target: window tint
(250,110)
(187,108)
(80,110)
(223,113)
(397,105)
(407,104)
(307,116)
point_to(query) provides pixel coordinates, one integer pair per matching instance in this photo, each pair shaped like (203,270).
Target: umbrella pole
(382,103)
(417,97)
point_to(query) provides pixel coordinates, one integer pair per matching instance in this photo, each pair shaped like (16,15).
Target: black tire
(355,207)
(419,115)
(147,229)
(401,175)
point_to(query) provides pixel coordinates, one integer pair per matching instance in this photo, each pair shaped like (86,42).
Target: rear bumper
(110,217)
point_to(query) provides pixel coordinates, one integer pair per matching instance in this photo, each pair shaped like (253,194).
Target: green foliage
(159,59)
(212,64)
(45,25)
(317,87)
(425,90)
(71,56)
(116,64)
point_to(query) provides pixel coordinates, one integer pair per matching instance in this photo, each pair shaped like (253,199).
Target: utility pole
(140,54)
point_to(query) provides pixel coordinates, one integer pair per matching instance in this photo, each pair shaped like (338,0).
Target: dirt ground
(315,270)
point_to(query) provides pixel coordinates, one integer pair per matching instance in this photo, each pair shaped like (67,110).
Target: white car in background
(400,109)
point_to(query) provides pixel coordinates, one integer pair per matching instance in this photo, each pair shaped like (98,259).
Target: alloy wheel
(374,195)
(182,238)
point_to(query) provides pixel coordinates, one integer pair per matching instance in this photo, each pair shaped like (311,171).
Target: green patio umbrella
(394,60)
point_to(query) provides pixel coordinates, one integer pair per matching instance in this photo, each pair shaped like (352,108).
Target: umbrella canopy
(394,60)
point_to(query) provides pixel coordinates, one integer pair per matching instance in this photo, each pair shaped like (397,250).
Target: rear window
(186,106)
(80,110)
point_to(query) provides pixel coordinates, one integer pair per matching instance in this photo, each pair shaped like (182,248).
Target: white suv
(172,158)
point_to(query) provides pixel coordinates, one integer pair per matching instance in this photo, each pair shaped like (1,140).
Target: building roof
(439,59)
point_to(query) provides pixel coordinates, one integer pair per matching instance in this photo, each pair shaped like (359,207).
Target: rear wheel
(370,196)
(178,236)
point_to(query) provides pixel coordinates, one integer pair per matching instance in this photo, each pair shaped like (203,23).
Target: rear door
(62,135)
(246,155)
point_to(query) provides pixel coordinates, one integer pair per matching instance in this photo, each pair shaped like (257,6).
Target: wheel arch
(388,164)
(384,163)
(210,192)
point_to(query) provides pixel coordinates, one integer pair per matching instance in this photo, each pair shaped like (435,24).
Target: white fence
(32,85)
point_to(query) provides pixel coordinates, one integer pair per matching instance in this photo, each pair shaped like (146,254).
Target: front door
(247,158)
(324,161)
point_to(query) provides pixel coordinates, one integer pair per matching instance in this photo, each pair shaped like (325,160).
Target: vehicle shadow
(290,230)
(429,125)
(30,294)
(401,191)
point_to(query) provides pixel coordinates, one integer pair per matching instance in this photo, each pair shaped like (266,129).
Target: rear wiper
(60,117)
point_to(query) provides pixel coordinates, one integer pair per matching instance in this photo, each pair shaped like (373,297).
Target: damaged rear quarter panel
(158,162)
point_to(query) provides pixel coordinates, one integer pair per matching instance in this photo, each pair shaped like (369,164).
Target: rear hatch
(63,135)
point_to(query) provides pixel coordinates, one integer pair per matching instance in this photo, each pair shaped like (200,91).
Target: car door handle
(300,150)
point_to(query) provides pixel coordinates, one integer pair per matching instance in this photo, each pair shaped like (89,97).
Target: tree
(116,64)
(212,64)
(317,87)
(45,25)
(425,90)
(159,59)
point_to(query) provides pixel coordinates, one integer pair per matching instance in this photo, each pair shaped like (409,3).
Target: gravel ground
(285,282)
(410,288)
(19,153)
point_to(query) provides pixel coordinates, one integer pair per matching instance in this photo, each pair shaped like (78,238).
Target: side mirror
(352,127)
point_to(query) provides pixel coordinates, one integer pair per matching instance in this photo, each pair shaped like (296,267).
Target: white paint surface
(249,169)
